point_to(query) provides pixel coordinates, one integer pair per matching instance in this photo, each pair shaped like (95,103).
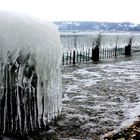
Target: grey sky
(77,10)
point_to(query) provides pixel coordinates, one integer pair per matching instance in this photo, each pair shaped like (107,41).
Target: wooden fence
(78,56)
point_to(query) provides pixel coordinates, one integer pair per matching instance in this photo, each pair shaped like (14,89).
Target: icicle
(86,40)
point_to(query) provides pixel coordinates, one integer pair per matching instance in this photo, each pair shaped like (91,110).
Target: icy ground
(98,98)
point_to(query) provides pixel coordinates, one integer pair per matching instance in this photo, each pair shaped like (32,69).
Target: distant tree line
(97,26)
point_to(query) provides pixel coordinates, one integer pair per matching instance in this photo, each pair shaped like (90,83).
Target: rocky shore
(132,132)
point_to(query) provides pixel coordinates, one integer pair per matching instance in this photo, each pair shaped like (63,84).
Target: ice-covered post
(30,75)
(74,57)
(128,48)
(116,46)
(95,51)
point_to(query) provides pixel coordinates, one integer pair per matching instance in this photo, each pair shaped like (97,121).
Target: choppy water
(98,98)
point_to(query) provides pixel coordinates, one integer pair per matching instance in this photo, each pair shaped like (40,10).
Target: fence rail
(90,54)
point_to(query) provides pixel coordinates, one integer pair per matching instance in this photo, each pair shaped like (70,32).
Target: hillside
(65,26)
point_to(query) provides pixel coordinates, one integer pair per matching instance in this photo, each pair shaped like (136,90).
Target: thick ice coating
(80,41)
(30,76)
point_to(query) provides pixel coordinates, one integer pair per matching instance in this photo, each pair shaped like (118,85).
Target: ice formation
(86,40)
(30,75)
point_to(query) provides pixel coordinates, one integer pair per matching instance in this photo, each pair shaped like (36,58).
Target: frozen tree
(30,76)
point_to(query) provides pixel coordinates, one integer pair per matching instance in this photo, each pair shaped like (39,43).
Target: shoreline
(130,132)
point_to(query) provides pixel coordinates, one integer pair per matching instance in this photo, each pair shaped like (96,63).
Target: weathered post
(128,48)
(77,55)
(88,54)
(80,56)
(95,54)
(70,57)
(83,56)
(63,59)
(67,59)
(95,51)
(74,57)
(117,37)
(116,52)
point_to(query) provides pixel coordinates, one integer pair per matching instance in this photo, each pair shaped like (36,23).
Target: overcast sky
(77,10)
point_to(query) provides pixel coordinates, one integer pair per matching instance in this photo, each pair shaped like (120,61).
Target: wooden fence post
(128,50)
(70,57)
(74,57)
(115,51)
(67,59)
(95,54)
(80,56)
(63,60)
(77,55)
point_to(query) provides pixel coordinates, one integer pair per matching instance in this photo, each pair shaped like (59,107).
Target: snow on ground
(98,98)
